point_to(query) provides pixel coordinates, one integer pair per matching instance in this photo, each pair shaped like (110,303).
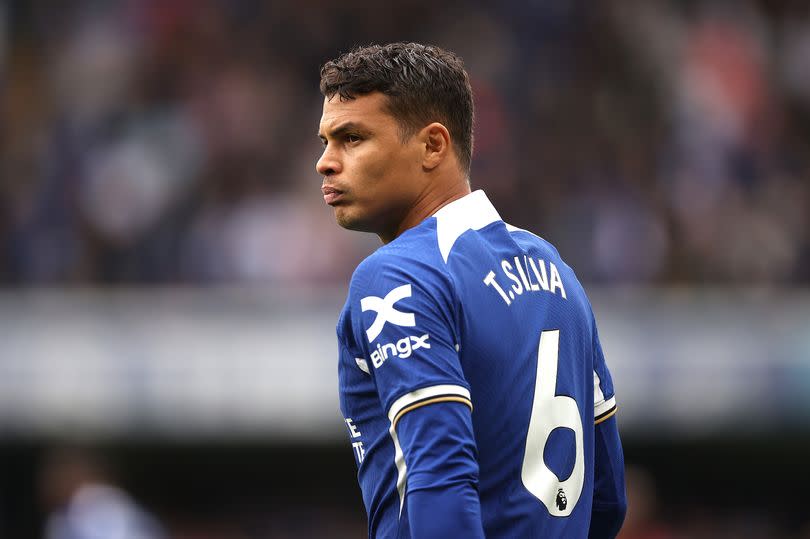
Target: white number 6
(550,411)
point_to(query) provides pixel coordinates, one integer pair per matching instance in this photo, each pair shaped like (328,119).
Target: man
(472,381)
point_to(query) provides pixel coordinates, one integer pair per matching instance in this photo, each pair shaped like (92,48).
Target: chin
(346,220)
(353,222)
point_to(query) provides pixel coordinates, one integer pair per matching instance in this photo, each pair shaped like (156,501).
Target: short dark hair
(423,83)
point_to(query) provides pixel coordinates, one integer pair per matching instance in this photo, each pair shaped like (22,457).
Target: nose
(328,164)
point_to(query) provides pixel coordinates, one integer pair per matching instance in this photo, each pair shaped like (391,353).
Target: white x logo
(420,342)
(384,307)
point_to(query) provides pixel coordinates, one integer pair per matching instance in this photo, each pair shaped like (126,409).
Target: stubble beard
(357,223)
(345,220)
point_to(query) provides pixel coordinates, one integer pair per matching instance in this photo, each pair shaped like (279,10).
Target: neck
(431,200)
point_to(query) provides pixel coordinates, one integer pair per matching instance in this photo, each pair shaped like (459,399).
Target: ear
(436,139)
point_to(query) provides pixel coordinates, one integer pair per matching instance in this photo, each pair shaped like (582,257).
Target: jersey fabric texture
(470,364)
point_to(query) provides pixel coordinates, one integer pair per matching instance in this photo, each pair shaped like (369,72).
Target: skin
(375,181)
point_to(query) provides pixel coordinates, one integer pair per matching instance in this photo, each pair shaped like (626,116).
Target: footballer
(472,382)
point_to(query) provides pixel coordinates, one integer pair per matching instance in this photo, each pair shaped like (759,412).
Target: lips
(330,194)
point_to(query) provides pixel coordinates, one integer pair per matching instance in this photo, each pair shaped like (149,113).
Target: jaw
(348,217)
(345,220)
(382,223)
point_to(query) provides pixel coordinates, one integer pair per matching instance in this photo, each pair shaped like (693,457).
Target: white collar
(470,212)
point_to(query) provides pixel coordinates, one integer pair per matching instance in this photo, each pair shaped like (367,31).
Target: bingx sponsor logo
(386,312)
(403,348)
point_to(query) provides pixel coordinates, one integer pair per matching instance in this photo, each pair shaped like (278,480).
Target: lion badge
(562,501)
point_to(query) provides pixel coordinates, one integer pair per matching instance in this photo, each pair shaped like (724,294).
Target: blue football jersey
(464,308)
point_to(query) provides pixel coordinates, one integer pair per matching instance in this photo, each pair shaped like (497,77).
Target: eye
(352,138)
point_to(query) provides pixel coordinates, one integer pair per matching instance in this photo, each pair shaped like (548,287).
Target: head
(397,133)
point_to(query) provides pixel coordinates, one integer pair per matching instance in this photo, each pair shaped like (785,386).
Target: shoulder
(399,281)
(522,236)
(411,259)
(548,255)
(399,286)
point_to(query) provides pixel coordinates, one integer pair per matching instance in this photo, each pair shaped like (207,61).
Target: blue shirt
(474,388)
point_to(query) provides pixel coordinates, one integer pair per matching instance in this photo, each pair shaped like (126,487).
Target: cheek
(374,169)
(378,169)
(398,167)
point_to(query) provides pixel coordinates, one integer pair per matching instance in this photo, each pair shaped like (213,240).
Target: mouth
(331,195)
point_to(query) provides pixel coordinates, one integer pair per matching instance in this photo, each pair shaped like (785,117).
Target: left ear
(436,139)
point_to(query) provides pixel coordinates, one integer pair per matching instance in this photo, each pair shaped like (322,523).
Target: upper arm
(609,497)
(403,319)
(404,324)
(604,395)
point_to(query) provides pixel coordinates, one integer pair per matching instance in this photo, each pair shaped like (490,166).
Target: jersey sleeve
(404,320)
(609,496)
(604,397)
(442,493)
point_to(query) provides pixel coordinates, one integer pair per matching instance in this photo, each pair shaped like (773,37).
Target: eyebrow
(342,129)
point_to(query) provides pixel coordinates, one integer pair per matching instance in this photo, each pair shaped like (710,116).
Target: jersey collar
(470,212)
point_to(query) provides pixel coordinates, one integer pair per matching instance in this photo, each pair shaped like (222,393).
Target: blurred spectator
(86,504)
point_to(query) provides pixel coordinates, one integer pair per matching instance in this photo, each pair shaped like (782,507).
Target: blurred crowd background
(656,143)
(172,141)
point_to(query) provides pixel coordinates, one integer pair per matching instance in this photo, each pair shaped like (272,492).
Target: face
(370,176)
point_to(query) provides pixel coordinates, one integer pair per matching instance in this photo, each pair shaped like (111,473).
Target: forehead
(369,109)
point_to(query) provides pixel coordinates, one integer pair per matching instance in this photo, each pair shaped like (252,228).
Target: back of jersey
(531,355)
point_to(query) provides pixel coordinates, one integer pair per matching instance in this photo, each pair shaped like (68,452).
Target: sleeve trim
(427,395)
(607,414)
(605,417)
(603,406)
(446,398)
